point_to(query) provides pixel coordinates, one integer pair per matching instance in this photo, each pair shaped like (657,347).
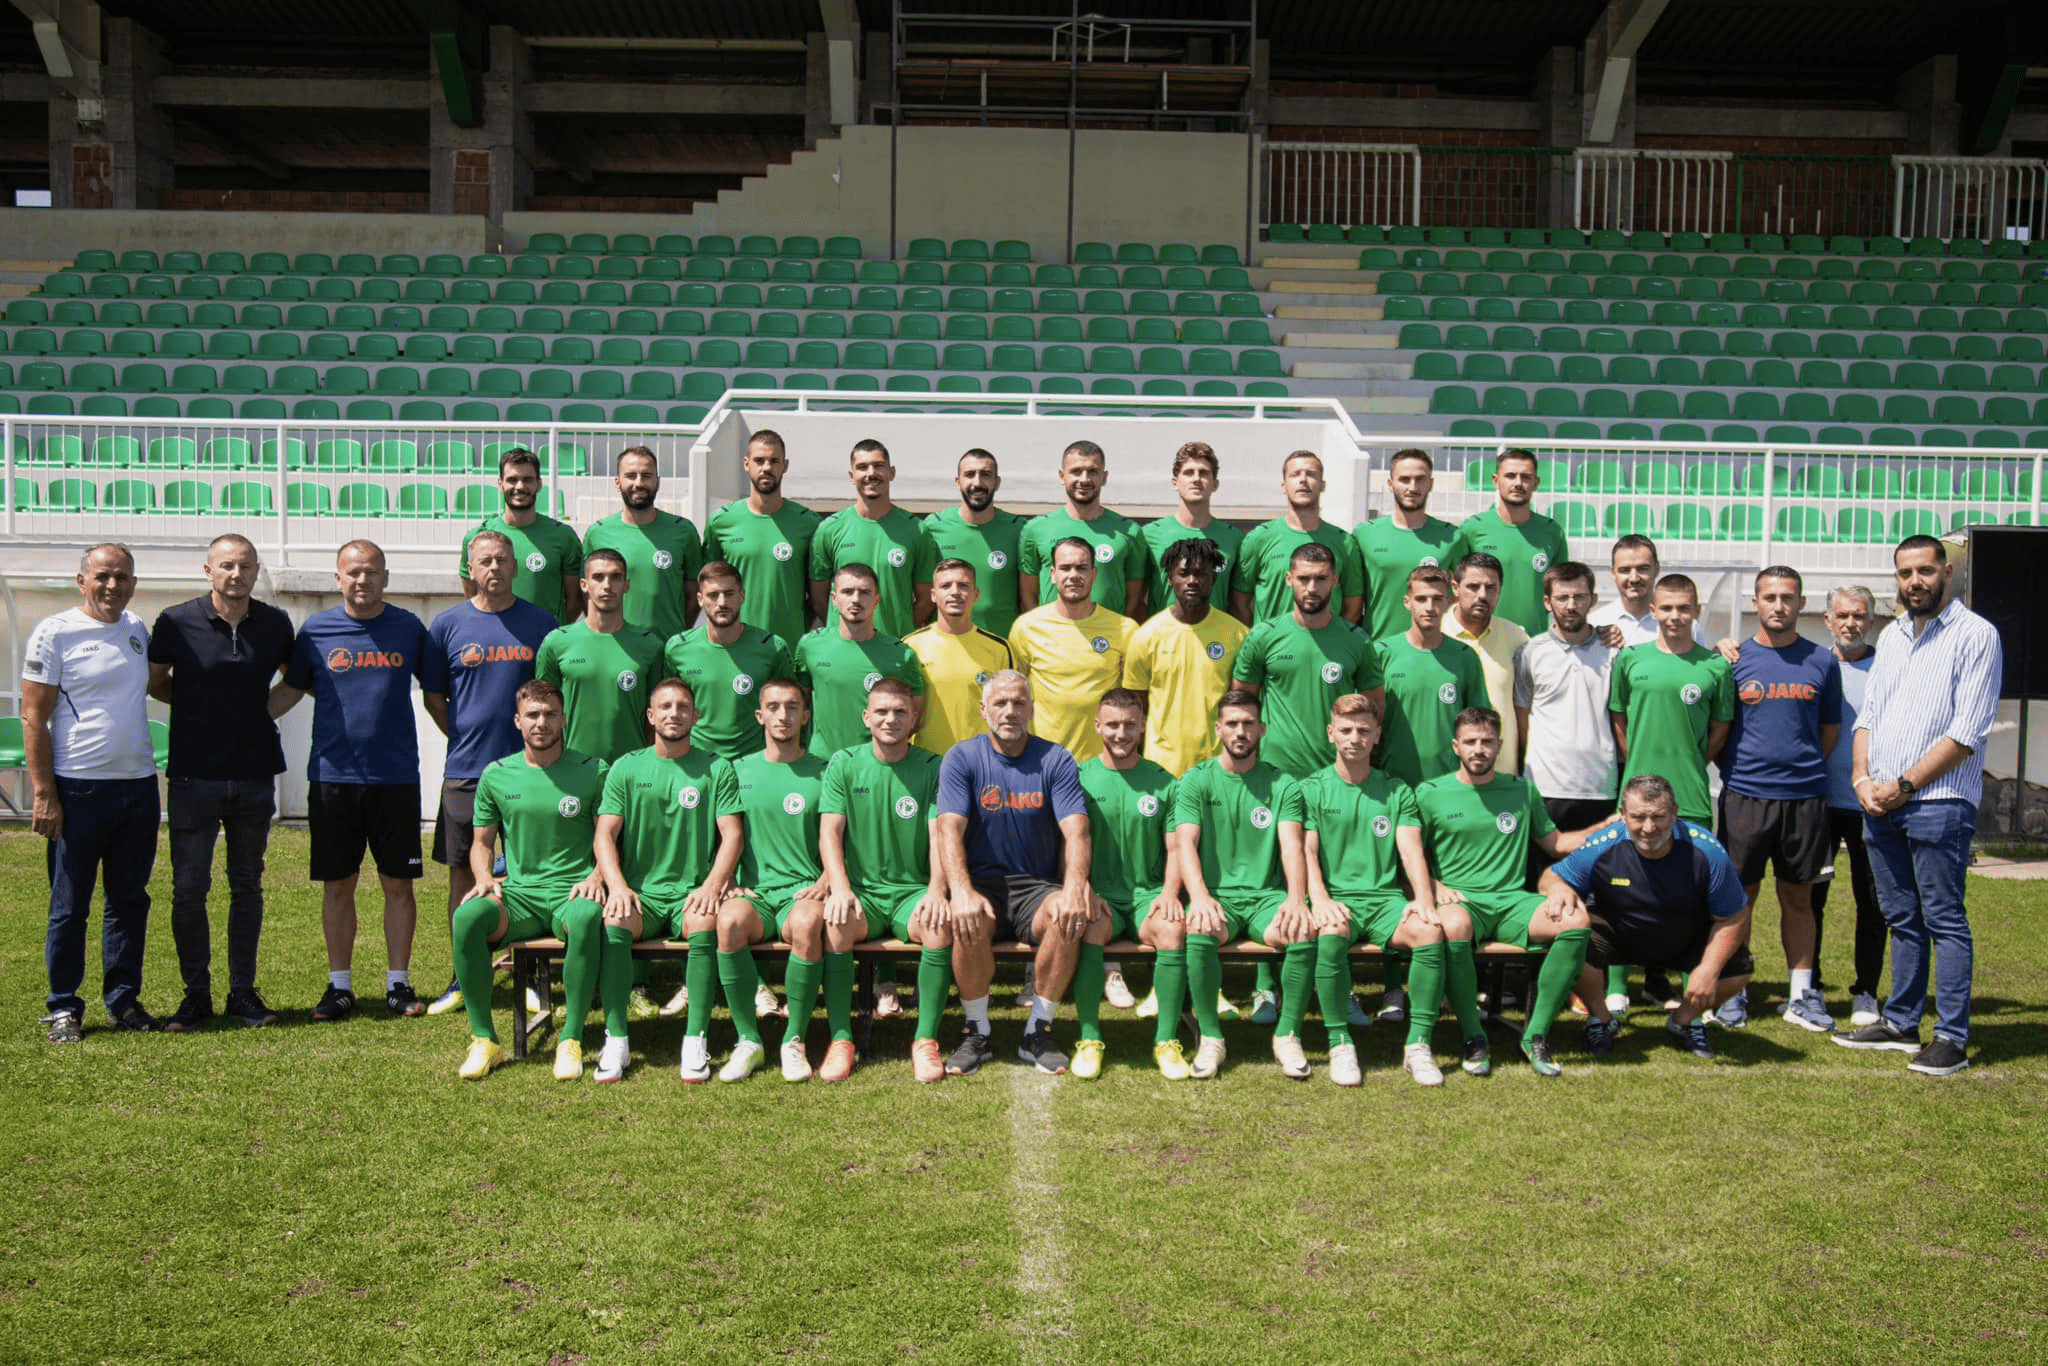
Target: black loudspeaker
(2009,589)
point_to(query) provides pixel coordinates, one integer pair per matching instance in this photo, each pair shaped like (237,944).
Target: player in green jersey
(724,661)
(981,534)
(668,844)
(1360,835)
(768,539)
(872,531)
(1479,825)
(1429,678)
(1672,702)
(1134,868)
(1302,662)
(1258,587)
(662,550)
(839,663)
(549,556)
(1242,879)
(545,800)
(1110,536)
(876,840)
(603,666)
(1405,538)
(1195,477)
(1524,541)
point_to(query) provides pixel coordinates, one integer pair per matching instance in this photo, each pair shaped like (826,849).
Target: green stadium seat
(189,497)
(361,498)
(421,500)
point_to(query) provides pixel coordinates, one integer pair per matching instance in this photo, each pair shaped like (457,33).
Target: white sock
(1802,982)
(342,980)
(1041,1013)
(394,976)
(976,1011)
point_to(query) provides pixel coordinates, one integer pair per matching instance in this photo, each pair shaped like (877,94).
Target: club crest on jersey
(688,798)
(1429,560)
(906,806)
(1215,649)
(1382,827)
(1332,671)
(662,559)
(569,806)
(1262,817)
(1690,694)
(897,557)
(997,559)
(1100,644)
(1148,805)
(135,645)
(628,680)
(1448,694)
(742,684)
(783,550)
(981,678)
(1507,822)
(1540,561)
(868,684)
(1104,554)
(536,562)
(793,804)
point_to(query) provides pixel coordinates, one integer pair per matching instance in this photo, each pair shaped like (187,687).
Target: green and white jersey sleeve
(605,680)
(839,672)
(889,809)
(1299,673)
(1426,689)
(1354,824)
(726,680)
(670,809)
(1239,818)
(781,803)
(547,817)
(1479,837)
(1130,814)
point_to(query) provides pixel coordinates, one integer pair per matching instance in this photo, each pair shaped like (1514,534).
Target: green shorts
(1502,917)
(532,909)
(660,920)
(1247,914)
(1124,920)
(773,905)
(1374,915)
(888,910)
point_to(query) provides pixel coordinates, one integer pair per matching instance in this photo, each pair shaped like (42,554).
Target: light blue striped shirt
(1941,683)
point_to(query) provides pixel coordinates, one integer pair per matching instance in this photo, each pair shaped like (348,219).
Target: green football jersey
(1426,689)
(1239,817)
(726,680)
(888,546)
(1524,552)
(889,809)
(1478,837)
(1299,673)
(1130,814)
(1668,703)
(662,558)
(1355,825)
(1165,532)
(773,554)
(1262,566)
(781,803)
(605,680)
(670,809)
(1389,553)
(546,816)
(992,548)
(546,551)
(838,673)
(1119,553)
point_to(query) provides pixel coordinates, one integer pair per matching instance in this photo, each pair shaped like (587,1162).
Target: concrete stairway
(1333,337)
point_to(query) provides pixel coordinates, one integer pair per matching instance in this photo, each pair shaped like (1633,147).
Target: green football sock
(1297,973)
(581,925)
(615,979)
(641,969)
(1556,978)
(839,995)
(700,975)
(885,973)
(1426,974)
(1264,979)
(471,926)
(1089,975)
(1617,980)
(1333,985)
(1205,977)
(1461,977)
(934,979)
(1394,973)
(1170,985)
(737,977)
(802,978)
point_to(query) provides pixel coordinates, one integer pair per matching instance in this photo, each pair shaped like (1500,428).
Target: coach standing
(213,660)
(93,771)
(1919,772)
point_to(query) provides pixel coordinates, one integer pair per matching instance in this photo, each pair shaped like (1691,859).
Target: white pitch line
(1045,1328)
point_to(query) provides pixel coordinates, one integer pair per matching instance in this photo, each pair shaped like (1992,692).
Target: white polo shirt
(1563,687)
(100,727)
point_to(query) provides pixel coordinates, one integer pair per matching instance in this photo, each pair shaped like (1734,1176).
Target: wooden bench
(533,963)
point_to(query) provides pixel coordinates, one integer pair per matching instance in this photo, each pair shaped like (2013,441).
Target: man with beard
(547,554)
(1561,706)
(768,539)
(1524,541)
(1636,568)
(1258,586)
(1195,478)
(1850,612)
(840,663)
(725,661)
(1073,650)
(1405,539)
(1112,539)
(1475,586)
(603,666)
(982,535)
(958,656)
(662,550)
(1182,658)
(872,531)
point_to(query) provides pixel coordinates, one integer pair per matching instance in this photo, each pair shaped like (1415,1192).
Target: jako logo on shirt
(995,798)
(536,562)
(1506,822)
(1101,644)
(1148,805)
(1381,826)
(742,684)
(1104,554)
(997,559)
(688,798)
(628,680)
(794,804)
(473,655)
(1332,671)
(1689,694)
(341,659)
(1215,649)
(1261,817)
(782,550)
(569,806)
(906,807)
(1754,692)
(896,557)
(662,559)
(1448,694)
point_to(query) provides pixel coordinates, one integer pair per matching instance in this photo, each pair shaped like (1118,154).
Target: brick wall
(472,182)
(92,175)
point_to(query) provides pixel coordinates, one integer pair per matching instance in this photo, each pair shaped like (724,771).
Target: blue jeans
(110,827)
(1918,855)
(200,809)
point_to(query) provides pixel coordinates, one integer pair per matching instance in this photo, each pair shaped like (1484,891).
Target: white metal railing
(1341,182)
(1979,197)
(1672,191)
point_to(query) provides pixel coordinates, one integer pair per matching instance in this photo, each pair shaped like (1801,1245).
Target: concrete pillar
(818,121)
(487,170)
(1557,111)
(877,72)
(110,147)
(1933,115)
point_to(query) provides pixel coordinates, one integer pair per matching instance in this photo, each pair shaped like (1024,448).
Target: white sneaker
(536,1009)
(795,1065)
(1287,1052)
(1617,1004)
(568,1060)
(765,1004)
(1117,992)
(1265,1007)
(613,1059)
(1208,1059)
(1418,1063)
(1224,1005)
(696,1059)
(448,1000)
(677,1004)
(747,1057)
(888,1004)
(1344,1068)
(1149,1007)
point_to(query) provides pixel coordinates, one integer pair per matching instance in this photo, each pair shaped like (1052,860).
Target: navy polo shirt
(1665,906)
(220,688)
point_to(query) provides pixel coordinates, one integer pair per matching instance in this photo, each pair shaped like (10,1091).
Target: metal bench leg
(519,967)
(864,1006)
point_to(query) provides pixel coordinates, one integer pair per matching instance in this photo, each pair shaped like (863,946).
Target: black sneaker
(1942,1058)
(336,1003)
(1600,1035)
(245,1005)
(401,1001)
(64,1027)
(1657,990)
(1478,1061)
(1883,1035)
(1038,1049)
(136,1020)
(1692,1037)
(1537,1051)
(1393,1006)
(974,1050)
(191,1017)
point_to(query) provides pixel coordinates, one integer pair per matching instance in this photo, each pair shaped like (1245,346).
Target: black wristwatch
(1906,785)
